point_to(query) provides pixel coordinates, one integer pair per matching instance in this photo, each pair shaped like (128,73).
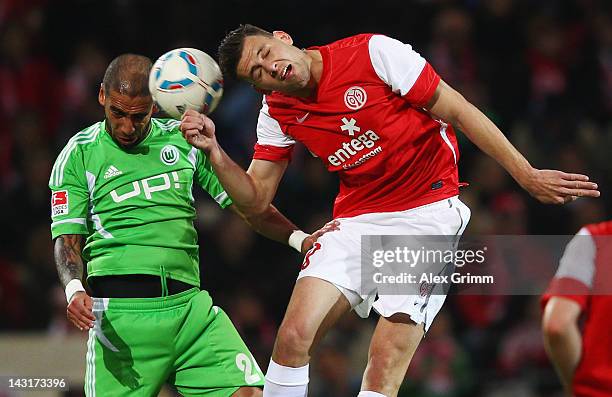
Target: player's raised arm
(251,191)
(67,252)
(548,186)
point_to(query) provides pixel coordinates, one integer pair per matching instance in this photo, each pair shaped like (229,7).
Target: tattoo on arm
(67,252)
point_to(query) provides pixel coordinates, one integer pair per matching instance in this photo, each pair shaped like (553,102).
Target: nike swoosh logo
(301,119)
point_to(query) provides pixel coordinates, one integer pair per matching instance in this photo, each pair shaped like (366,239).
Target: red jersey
(584,275)
(366,121)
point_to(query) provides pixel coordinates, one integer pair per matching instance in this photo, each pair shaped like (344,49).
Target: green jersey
(135,205)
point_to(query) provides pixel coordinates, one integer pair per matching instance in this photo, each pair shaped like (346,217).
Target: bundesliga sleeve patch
(59,203)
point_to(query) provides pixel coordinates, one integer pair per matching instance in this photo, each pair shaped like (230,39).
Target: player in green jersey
(125,184)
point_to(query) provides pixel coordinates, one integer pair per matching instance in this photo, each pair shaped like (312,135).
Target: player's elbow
(554,328)
(254,206)
(255,210)
(559,319)
(556,324)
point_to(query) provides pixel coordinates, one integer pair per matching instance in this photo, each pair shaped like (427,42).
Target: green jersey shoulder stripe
(67,149)
(73,143)
(166,125)
(86,136)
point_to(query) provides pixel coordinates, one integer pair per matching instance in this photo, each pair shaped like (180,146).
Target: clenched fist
(199,131)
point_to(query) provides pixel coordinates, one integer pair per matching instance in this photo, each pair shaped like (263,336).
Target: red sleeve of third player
(569,288)
(574,277)
(424,87)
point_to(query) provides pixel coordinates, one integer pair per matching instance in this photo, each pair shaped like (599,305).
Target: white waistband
(449,202)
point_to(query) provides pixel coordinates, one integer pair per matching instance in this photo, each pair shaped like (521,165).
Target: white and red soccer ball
(186,78)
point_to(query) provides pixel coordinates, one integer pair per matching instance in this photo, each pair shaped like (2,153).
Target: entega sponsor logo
(354,147)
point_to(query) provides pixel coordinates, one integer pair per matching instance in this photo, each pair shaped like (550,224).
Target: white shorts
(337,257)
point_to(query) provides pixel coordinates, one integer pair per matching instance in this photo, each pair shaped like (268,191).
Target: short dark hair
(128,74)
(230,49)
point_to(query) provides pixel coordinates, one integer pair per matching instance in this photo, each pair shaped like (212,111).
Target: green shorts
(139,344)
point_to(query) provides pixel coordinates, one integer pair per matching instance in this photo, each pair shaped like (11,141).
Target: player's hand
(199,131)
(557,187)
(80,311)
(309,241)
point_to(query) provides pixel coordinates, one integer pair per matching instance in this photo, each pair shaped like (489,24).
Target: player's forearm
(564,348)
(452,107)
(237,183)
(67,252)
(485,134)
(272,224)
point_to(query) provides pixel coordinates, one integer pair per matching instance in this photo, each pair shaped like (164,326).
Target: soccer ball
(186,78)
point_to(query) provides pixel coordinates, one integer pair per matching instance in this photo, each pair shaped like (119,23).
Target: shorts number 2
(245,364)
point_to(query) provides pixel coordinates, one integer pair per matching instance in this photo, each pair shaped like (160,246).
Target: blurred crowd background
(542,70)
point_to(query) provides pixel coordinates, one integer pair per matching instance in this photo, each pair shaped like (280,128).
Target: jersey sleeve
(403,69)
(574,277)
(272,144)
(207,179)
(69,194)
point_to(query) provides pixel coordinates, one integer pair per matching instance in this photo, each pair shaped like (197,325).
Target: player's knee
(293,340)
(248,392)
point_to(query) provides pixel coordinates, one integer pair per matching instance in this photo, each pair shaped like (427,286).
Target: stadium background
(542,70)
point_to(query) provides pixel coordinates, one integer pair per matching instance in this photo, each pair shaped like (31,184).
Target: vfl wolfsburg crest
(169,155)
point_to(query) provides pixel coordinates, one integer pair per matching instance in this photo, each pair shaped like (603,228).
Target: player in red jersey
(375,112)
(582,290)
